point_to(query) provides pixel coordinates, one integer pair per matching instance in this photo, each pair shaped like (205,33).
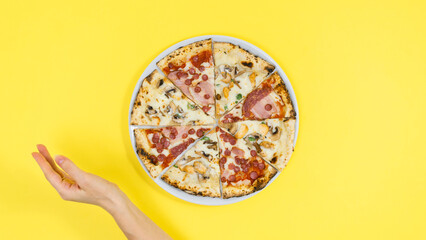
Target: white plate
(152,66)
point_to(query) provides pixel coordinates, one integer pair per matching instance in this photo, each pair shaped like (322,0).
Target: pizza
(197,172)
(242,170)
(214,121)
(191,69)
(269,100)
(157,148)
(271,139)
(160,102)
(237,73)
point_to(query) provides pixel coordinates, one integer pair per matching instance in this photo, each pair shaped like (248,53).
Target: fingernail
(59,159)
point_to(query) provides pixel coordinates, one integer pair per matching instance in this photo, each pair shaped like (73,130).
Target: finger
(43,150)
(70,168)
(53,177)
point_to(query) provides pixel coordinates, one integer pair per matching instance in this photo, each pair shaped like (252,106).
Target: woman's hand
(74,184)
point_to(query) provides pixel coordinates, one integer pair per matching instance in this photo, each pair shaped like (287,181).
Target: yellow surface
(68,69)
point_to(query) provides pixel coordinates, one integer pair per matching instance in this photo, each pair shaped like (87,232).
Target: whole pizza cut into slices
(242,170)
(191,69)
(157,148)
(237,73)
(160,102)
(197,172)
(272,139)
(269,100)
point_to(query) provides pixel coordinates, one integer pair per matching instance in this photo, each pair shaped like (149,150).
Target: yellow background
(358,68)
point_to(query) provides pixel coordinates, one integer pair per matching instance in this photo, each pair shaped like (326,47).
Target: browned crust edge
(188,190)
(269,67)
(183,50)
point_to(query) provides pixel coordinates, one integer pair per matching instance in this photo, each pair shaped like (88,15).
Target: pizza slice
(191,69)
(272,139)
(269,100)
(159,102)
(197,172)
(157,148)
(237,73)
(242,170)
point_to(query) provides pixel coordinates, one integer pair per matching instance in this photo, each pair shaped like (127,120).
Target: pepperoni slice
(261,166)
(197,89)
(268,107)
(227,152)
(196,76)
(206,108)
(232,141)
(174,131)
(255,164)
(237,169)
(191,131)
(191,140)
(245,169)
(232,178)
(166,144)
(253,153)
(172,136)
(155,138)
(191,71)
(201,68)
(207,96)
(188,82)
(254,175)
(185,135)
(237,160)
(231,166)
(223,179)
(170,65)
(204,77)
(161,157)
(182,75)
(200,132)
(243,162)
(222,160)
(163,140)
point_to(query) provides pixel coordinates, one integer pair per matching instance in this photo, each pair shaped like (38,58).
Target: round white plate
(152,66)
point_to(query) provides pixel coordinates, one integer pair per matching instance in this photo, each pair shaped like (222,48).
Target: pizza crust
(178,56)
(281,90)
(230,191)
(143,150)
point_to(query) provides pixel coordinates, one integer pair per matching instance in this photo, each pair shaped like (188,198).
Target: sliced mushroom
(231,127)
(180,110)
(241,131)
(276,133)
(160,82)
(170,91)
(178,118)
(240,73)
(150,110)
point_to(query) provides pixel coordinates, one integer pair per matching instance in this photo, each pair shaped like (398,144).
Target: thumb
(69,167)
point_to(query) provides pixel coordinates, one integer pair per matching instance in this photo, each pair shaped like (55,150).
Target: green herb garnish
(205,138)
(226,107)
(175,166)
(263,122)
(190,106)
(251,139)
(236,101)
(239,96)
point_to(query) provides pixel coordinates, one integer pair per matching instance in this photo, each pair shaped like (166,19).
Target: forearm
(133,222)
